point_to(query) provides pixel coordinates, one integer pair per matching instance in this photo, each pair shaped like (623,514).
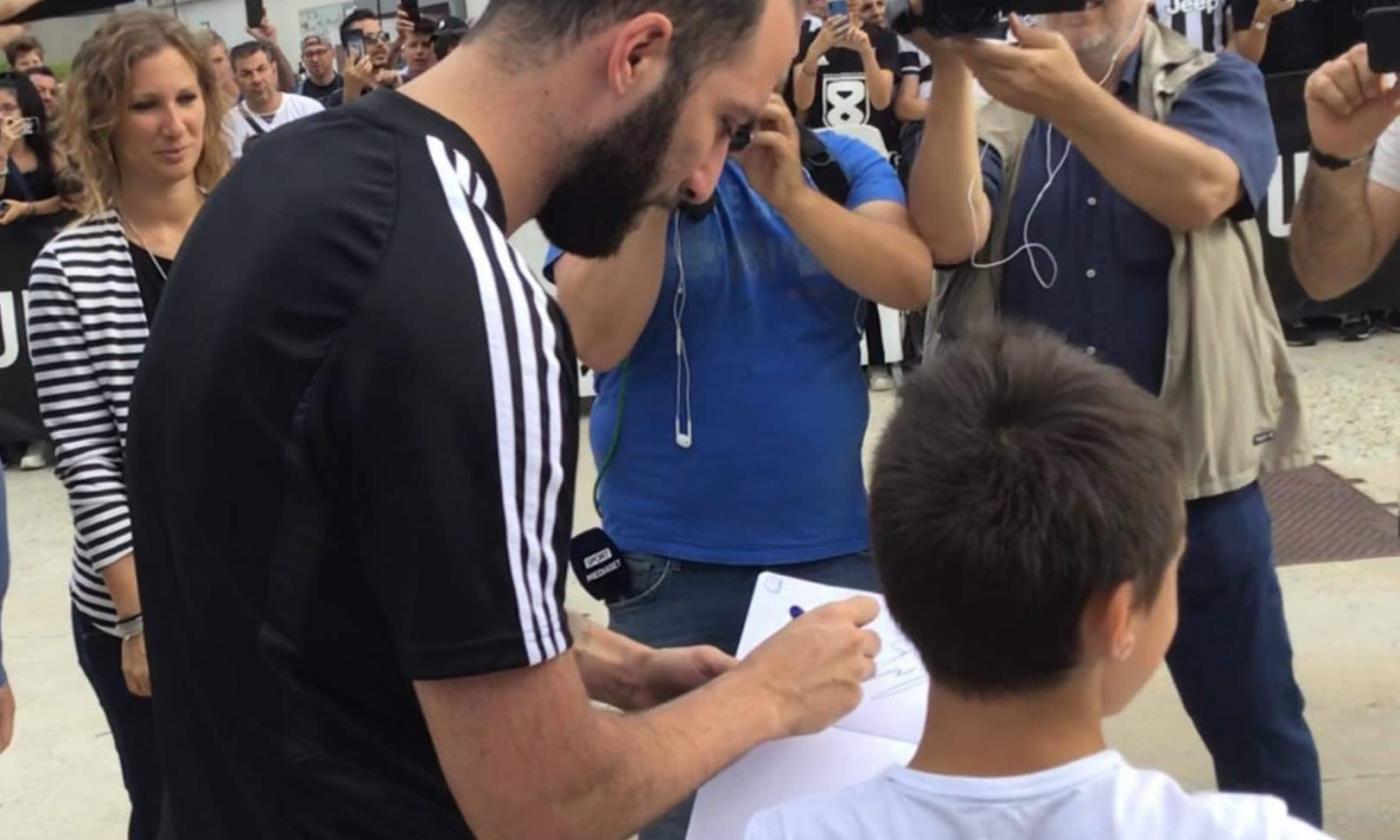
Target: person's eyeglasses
(381,37)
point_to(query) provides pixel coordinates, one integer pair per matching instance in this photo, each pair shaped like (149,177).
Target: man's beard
(600,197)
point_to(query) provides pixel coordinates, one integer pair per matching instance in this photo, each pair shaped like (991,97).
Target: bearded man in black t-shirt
(354,439)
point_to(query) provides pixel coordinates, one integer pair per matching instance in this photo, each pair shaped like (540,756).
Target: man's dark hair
(353,18)
(20,46)
(705,33)
(40,71)
(248,49)
(1017,479)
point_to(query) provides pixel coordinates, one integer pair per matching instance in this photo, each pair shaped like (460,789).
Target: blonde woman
(141,124)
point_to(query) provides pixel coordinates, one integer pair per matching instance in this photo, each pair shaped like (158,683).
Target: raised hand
(1348,106)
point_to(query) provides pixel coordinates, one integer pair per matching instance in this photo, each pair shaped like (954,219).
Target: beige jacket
(1227,380)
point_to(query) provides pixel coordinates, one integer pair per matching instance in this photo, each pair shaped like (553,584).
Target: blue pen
(795,612)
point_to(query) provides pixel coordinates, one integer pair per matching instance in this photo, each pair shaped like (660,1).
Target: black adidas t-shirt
(352,446)
(843,97)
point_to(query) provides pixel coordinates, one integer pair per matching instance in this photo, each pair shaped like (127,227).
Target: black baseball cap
(450,25)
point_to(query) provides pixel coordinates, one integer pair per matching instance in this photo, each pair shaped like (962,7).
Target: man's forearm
(878,80)
(613,774)
(947,168)
(804,83)
(286,76)
(1176,179)
(1250,43)
(609,301)
(1333,239)
(872,257)
(909,106)
(655,759)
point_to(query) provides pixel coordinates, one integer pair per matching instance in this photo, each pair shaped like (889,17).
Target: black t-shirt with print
(843,97)
(351,466)
(322,93)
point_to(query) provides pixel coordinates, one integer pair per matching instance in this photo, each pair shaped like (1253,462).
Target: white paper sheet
(896,698)
(881,732)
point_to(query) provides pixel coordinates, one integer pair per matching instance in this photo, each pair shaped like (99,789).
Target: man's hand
(360,73)
(11,130)
(264,31)
(403,25)
(810,672)
(667,673)
(135,668)
(773,159)
(7,716)
(827,37)
(855,38)
(1041,75)
(14,211)
(387,78)
(1349,107)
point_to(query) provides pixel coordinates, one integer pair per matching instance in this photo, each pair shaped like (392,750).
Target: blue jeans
(674,603)
(1232,661)
(132,723)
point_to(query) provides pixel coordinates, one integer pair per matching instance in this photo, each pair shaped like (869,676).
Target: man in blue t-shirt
(731,404)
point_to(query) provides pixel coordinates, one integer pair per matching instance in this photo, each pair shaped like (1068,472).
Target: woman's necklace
(136,236)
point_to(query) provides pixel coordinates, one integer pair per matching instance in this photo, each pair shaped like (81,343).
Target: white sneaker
(34,457)
(880,380)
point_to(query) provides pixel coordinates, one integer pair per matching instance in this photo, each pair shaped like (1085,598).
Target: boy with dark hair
(24,53)
(1027,519)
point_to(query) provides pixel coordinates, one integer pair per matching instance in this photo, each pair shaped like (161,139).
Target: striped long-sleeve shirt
(87,329)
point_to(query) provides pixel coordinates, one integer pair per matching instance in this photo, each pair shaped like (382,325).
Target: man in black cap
(322,80)
(450,32)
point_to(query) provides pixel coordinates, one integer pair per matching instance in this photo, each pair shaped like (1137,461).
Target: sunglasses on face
(380,37)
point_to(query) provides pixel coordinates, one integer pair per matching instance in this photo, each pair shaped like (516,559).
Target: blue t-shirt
(1110,294)
(776,396)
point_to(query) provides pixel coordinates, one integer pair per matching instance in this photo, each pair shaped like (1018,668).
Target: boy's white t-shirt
(1099,797)
(1385,166)
(237,128)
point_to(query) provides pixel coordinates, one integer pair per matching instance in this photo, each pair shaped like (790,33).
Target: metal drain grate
(1321,517)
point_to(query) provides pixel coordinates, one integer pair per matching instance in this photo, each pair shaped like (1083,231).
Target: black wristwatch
(1333,163)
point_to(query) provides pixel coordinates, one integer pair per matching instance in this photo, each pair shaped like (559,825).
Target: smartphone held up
(1382,25)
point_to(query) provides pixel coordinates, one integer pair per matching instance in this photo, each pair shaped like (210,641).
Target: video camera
(975,18)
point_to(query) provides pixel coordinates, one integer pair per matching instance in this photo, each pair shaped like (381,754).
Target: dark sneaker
(1298,334)
(1356,327)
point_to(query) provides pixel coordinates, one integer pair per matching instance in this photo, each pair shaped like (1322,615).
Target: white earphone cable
(1053,170)
(685,435)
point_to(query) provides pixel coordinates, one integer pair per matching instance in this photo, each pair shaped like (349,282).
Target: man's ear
(1107,626)
(640,52)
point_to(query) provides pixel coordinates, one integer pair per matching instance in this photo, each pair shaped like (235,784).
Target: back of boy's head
(1017,479)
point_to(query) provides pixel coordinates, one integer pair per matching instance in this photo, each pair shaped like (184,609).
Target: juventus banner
(1275,217)
(19,408)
